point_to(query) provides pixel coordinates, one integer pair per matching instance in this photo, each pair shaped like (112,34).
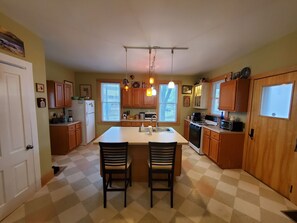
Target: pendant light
(171,84)
(149,91)
(125,81)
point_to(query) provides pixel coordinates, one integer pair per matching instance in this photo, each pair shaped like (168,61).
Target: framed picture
(71,84)
(187,89)
(39,87)
(11,42)
(85,90)
(186,101)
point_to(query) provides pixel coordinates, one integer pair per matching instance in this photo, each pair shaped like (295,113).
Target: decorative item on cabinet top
(243,74)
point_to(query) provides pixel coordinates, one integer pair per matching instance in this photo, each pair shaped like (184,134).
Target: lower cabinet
(225,149)
(65,138)
(186,129)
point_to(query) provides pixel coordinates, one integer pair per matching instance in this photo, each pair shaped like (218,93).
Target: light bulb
(171,84)
(152,80)
(149,92)
(154,91)
(126,87)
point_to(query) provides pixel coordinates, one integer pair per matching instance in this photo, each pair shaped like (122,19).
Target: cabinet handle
(251,134)
(29,147)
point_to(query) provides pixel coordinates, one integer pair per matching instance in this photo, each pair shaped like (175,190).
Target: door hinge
(295,150)
(291,188)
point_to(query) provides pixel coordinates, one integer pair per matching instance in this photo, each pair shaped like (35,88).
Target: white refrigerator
(84,111)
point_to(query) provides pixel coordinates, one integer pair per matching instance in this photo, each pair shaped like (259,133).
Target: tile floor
(203,193)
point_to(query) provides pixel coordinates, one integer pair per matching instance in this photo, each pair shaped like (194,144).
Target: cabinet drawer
(71,127)
(78,126)
(206,131)
(215,135)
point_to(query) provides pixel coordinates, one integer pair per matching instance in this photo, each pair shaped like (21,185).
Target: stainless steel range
(195,136)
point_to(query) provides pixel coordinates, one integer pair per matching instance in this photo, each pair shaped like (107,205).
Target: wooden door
(59,94)
(269,154)
(205,144)
(149,101)
(18,135)
(67,95)
(214,149)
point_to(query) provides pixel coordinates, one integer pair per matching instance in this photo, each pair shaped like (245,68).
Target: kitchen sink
(156,129)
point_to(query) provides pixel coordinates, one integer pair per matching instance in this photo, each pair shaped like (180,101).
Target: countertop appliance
(196,117)
(84,111)
(150,115)
(232,125)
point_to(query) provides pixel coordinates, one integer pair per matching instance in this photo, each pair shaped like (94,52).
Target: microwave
(231,125)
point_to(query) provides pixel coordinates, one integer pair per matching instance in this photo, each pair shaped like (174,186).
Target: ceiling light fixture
(149,91)
(171,83)
(125,81)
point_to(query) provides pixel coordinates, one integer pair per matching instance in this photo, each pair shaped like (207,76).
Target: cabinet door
(126,98)
(67,95)
(227,95)
(149,101)
(78,134)
(135,124)
(206,144)
(126,124)
(72,138)
(186,129)
(137,97)
(59,94)
(214,149)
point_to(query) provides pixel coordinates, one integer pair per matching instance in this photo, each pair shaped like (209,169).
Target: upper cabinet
(58,94)
(200,95)
(234,95)
(136,98)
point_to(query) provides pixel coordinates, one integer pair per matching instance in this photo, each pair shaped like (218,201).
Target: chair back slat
(114,154)
(162,154)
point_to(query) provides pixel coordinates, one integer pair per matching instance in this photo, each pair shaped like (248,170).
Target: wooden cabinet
(234,95)
(186,129)
(58,94)
(206,141)
(65,138)
(200,95)
(137,123)
(136,98)
(225,149)
(67,95)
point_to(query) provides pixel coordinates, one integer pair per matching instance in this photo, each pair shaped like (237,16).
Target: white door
(19,158)
(90,127)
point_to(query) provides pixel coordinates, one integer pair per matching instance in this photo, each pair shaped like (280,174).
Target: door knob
(251,134)
(29,147)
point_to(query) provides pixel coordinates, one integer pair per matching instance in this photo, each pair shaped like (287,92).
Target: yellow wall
(35,54)
(277,55)
(58,72)
(90,78)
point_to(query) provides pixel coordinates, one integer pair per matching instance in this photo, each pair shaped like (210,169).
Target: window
(110,102)
(168,99)
(215,97)
(276,101)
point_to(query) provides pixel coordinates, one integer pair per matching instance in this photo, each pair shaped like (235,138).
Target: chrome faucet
(155,117)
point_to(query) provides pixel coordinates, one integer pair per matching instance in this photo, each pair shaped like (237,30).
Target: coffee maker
(196,117)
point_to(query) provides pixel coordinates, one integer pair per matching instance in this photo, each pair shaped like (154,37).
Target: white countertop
(137,120)
(134,137)
(65,123)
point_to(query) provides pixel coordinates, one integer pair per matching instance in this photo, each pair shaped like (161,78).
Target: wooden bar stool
(115,160)
(161,161)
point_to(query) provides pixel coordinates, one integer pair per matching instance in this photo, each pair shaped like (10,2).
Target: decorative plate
(245,73)
(136,84)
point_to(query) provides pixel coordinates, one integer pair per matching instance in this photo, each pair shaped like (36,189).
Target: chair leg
(171,191)
(104,192)
(151,186)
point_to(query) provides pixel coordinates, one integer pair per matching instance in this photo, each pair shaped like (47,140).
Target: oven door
(195,137)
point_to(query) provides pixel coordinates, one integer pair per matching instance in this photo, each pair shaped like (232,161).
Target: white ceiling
(88,35)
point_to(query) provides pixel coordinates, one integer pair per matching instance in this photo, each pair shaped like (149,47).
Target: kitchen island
(138,146)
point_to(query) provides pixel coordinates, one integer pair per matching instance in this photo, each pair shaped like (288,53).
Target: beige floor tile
(247,208)
(219,209)
(75,177)
(61,192)
(192,211)
(232,173)
(182,189)
(73,214)
(134,212)
(18,214)
(86,192)
(227,188)
(162,211)
(101,214)
(248,187)
(272,205)
(194,175)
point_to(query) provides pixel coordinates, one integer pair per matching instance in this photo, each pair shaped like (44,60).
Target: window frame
(213,98)
(179,102)
(99,107)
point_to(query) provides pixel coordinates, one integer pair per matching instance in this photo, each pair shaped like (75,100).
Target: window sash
(110,102)
(170,105)
(216,97)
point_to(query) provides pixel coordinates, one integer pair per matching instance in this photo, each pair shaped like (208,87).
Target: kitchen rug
(292,214)
(58,169)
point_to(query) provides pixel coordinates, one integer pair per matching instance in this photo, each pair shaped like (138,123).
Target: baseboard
(47,177)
